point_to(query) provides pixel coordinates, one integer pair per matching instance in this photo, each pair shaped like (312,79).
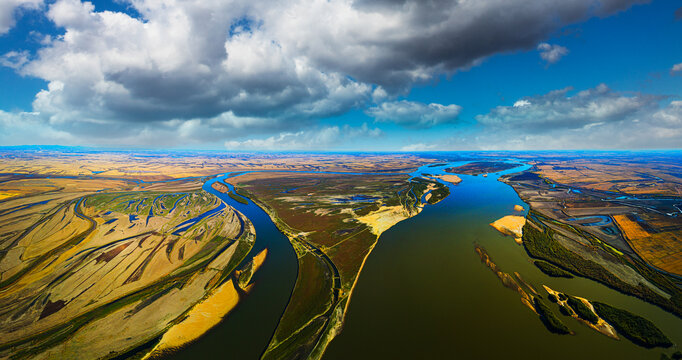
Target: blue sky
(444,76)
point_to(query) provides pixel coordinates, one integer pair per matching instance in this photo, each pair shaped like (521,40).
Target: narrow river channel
(246,331)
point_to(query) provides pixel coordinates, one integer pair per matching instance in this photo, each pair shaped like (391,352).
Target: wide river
(424,293)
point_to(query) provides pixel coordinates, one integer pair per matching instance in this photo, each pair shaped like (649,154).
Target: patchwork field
(660,249)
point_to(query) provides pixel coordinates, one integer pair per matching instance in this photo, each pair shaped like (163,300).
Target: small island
(482,167)
(511,225)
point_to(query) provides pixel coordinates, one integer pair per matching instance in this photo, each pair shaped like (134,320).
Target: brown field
(155,166)
(662,250)
(629,176)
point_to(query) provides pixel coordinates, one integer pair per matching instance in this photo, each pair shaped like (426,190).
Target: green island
(552,270)
(635,328)
(551,321)
(582,310)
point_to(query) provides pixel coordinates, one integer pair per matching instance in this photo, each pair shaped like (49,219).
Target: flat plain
(138,255)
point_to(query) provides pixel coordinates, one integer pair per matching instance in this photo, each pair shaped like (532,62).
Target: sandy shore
(511,225)
(453,179)
(518,208)
(199,320)
(384,218)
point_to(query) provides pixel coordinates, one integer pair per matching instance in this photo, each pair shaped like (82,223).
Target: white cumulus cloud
(676,68)
(558,109)
(418,147)
(10,8)
(551,53)
(311,139)
(415,114)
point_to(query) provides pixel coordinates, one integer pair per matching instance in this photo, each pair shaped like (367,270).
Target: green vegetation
(312,297)
(541,245)
(367,209)
(565,311)
(238,198)
(419,186)
(635,328)
(440,193)
(583,311)
(552,270)
(245,274)
(551,321)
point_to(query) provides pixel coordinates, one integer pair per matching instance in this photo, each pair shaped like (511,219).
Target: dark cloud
(444,36)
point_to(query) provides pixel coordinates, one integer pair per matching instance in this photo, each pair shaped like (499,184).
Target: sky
(342,75)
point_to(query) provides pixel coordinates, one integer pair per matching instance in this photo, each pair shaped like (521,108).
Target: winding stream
(246,331)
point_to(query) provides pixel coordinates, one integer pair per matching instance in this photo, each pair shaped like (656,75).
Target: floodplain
(306,256)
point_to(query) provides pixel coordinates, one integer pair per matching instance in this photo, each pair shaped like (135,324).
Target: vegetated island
(482,167)
(635,328)
(582,310)
(529,296)
(552,270)
(600,317)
